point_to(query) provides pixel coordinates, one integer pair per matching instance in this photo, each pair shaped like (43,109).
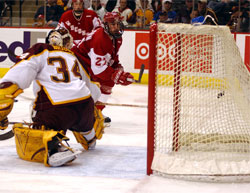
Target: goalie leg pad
(40,145)
(86,139)
(99,123)
(29,143)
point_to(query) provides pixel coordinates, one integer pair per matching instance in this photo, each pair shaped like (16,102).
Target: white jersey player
(65,99)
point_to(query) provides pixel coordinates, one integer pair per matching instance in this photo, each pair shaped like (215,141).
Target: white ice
(117,165)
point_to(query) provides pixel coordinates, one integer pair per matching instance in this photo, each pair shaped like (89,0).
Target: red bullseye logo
(162,51)
(142,51)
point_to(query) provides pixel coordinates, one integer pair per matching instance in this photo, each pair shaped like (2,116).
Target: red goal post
(198,104)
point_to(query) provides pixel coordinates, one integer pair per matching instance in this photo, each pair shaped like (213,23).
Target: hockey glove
(8,91)
(4,123)
(121,77)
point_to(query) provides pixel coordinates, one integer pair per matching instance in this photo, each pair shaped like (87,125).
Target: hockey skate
(107,121)
(60,154)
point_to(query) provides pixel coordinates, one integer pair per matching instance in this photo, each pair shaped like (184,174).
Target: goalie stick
(140,75)
(8,133)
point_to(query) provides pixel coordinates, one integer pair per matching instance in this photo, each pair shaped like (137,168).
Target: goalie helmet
(111,18)
(60,37)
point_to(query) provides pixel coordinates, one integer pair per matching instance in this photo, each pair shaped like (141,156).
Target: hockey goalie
(65,99)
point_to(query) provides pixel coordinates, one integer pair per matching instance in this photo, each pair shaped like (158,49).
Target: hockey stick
(6,135)
(125,105)
(9,134)
(140,75)
(24,123)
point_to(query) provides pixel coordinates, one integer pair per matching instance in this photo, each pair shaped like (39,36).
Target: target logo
(141,50)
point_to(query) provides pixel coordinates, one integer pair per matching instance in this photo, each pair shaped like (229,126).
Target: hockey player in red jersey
(79,21)
(99,51)
(65,99)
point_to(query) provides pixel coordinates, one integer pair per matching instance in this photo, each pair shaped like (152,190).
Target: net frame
(243,104)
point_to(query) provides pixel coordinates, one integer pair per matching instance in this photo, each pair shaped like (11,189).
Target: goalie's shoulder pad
(8,90)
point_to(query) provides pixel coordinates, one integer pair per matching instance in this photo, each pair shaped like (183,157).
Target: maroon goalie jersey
(78,28)
(100,54)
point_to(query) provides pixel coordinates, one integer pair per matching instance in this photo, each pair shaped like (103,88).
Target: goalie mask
(60,37)
(113,24)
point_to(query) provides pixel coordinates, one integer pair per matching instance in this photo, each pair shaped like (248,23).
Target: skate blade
(106,124)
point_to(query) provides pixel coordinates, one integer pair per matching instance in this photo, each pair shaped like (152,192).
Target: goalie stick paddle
(140,75)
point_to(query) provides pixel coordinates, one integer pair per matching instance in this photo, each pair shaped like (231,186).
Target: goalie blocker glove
(121,77)
(8,92)
(4,123)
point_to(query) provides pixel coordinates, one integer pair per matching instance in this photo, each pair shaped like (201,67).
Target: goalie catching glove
(121,77)
(8,91)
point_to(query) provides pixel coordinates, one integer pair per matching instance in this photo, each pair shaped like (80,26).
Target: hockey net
(199,104)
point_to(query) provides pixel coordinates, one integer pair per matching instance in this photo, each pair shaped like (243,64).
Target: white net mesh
(202,106)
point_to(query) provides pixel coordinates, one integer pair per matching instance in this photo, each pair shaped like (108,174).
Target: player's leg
(56,119)
(101,105)
(90,126)
(106,90)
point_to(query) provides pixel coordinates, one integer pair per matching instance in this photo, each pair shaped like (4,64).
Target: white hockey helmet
(60,37)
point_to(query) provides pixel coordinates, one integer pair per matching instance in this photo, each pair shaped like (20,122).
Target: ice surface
(117,165)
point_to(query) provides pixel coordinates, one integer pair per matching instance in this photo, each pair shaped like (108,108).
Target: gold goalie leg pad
(88,139)
(99,123)
(42,146)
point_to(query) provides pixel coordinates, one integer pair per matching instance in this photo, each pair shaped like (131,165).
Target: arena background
(133,52)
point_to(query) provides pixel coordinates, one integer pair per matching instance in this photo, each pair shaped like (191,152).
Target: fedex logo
(7,51)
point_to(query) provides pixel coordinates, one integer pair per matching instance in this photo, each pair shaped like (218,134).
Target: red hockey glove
(121,77)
